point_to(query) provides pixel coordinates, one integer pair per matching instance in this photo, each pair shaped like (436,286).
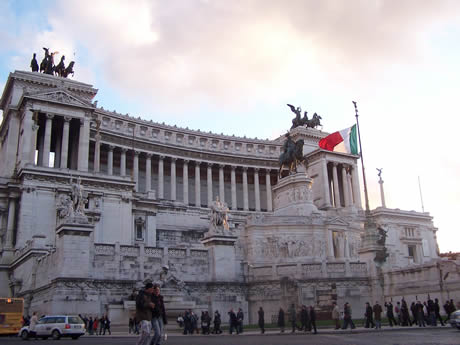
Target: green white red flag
(341,141)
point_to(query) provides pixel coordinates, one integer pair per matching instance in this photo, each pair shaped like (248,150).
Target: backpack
(140,300)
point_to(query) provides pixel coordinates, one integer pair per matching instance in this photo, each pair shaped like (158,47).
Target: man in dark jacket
(240,318)
(292,313)
(368,315)
(217,322)
(281,323)
(144,307)
(390,314)
(158,316)
(436,311)
(377,309)
(304,318)
(261,320)
(233,321)
(347,320)
(312,322)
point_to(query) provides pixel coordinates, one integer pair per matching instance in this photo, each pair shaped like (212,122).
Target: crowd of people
(97,325)
(401,314)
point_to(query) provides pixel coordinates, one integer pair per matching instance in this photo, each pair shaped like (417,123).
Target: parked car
(455,319)
(56,326)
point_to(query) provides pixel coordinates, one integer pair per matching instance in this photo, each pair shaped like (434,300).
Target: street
(428,336)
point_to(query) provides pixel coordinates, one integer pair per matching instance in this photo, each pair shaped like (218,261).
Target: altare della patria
(94,203)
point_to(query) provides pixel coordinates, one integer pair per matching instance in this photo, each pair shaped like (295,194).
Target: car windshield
(75,319)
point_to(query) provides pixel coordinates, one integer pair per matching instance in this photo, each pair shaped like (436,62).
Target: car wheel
(24,335)
(56,335)
(75,337)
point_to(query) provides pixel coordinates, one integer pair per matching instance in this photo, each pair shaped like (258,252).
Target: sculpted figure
(78,198)
(60,68)
(34,63)
(219,216)
(292,155)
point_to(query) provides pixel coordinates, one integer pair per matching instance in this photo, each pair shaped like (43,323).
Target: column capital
(210,164)
(233,167)
(256,170)
(268,171)
(67,118)
(111,147)
(149,155)
(198,163)
(335,164)
(49,116)
(137,153)
(82,122)
(221,166)
(245,169)
(173,159)
(124,149)
(186,161)
(161,157)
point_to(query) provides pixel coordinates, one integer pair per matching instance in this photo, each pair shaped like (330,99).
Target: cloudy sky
(231,67)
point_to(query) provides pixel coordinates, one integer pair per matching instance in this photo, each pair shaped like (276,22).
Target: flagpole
(362,160)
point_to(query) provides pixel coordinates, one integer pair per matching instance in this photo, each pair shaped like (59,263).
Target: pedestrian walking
(292,317)
(368,316)
(33,324)
(304,318)
(217,322)
(261,320)
(390,314)
(144,307)
(336,315)
(312,319)
(233,322)
(377,309)
(107,325)
(281,323)
(240,318)
(95,325)
(398,313)
(90,325)
(159,319)
(437,309)
(420,315)
(347,320)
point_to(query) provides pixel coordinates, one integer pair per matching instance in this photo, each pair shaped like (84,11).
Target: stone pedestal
(73,249)
(221,256)
(292,196)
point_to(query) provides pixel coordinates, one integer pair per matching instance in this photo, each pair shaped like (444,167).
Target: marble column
(161,177)
(65,142)
(35,128)
(257,188)
(148,172)
(47,142)
(382,194)
(197,184)
(97,153)
(123,161)
(346,193)
(335,181)
(27,143)
(10,224)
(350,189)
(83,145)
(356,191)
(136,170)
(209,184)
(233,187)
(327,193)
(110,160)
(330,244)
(173,179)
(269,190)
(221,183)
(245,189)
(185,181)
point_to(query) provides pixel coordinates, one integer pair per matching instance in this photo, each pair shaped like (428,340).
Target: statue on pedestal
(292,155)
(219,216)
(73,206)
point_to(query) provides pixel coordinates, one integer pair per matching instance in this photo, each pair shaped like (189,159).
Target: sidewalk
(251,332)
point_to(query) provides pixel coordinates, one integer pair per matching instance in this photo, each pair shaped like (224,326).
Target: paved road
(429,336)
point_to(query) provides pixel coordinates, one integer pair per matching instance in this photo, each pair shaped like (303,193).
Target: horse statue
(314,121)
(60,68)
(292,155)
(68,70)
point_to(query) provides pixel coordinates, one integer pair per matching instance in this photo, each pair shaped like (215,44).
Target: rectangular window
(411,250)
(139,232)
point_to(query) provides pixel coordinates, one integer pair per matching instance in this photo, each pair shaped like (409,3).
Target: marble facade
(150,187)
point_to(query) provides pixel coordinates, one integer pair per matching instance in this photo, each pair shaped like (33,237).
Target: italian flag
(341,141)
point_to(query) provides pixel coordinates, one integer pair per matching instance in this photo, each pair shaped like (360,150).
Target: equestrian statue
(47,65)
(297,121)
(292,155)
